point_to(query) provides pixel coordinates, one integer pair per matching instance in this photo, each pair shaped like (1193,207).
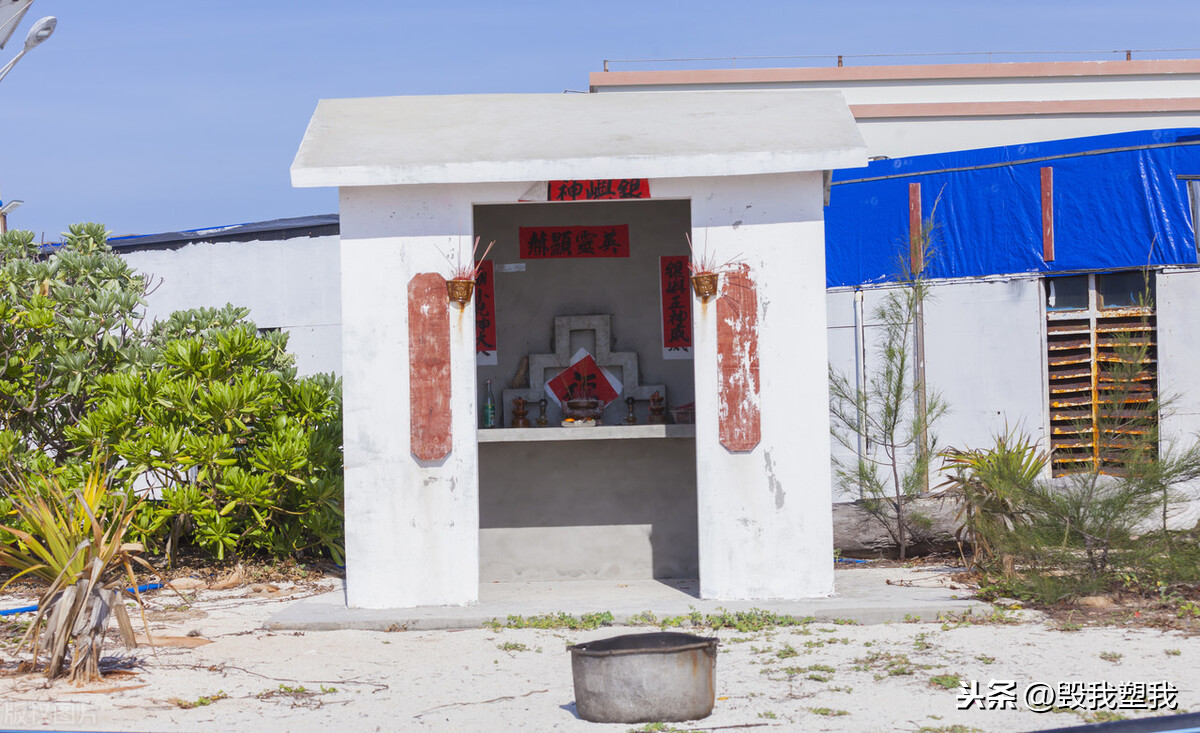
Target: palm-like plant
(991,487)
(74,544)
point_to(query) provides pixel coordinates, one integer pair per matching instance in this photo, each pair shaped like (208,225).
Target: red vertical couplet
(485,308)
(429,367)
(1048,214)
(676,302)
(738,409)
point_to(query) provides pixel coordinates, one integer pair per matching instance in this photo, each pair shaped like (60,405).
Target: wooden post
(916,235)
(1048,214)
(916,251)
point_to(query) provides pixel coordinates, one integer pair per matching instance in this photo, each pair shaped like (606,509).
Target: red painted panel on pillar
(738,413)
(429,366)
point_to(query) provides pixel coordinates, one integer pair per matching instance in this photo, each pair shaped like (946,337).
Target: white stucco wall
(913,134)
(984,358)
(985,354)
(904,137)
(1177,303)
(765,524)
(289,284)
(1043,101)
(854,337)
(845,358)
(412,527)
(931,84)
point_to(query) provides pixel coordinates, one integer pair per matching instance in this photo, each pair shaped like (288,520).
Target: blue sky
(180,114)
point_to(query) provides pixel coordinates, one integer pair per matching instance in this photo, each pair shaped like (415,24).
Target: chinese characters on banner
(485,315)
(619,188)
(582,241)
(676,307)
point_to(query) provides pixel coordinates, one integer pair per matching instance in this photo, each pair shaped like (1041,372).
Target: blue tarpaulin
(1119,203)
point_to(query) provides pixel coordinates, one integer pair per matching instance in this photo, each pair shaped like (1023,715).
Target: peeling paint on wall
(738,413)
(429,367)
(773,482)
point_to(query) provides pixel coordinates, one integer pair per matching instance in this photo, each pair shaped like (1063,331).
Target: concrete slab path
(865,594)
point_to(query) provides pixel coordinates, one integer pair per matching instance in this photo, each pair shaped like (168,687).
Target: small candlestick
(630,417)
(541,420)
(658,409)
(519,412)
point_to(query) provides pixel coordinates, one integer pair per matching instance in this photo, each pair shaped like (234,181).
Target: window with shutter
(1102,368)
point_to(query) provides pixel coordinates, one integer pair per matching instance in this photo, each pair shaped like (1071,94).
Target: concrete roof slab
(532,137)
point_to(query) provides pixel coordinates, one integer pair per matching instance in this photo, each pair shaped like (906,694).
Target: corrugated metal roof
(259,231)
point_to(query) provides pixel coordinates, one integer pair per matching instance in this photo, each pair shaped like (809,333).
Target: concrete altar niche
(593,333)
(590,505)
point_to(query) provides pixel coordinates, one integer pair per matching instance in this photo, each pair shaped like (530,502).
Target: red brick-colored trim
(1024,70)
(738,413)
(429,367)
(1025,108)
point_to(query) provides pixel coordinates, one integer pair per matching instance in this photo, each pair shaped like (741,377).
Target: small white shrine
(710,455)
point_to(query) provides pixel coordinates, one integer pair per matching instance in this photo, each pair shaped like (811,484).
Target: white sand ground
(487,680)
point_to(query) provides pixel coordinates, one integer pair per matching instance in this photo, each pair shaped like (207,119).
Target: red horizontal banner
(608,188)
(549,242)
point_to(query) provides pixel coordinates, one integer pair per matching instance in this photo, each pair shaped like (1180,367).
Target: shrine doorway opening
(610,501)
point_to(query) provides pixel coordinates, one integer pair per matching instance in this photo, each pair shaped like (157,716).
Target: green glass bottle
(489,407)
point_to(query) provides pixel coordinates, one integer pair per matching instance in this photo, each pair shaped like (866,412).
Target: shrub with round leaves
(199,413)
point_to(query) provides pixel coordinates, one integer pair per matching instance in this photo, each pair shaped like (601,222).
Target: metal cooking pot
(642,678)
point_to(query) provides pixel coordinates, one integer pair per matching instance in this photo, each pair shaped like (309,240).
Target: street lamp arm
(8,67)
(40,31)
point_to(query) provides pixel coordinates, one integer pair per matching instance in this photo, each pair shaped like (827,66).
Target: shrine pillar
(762,408)
(411,457)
